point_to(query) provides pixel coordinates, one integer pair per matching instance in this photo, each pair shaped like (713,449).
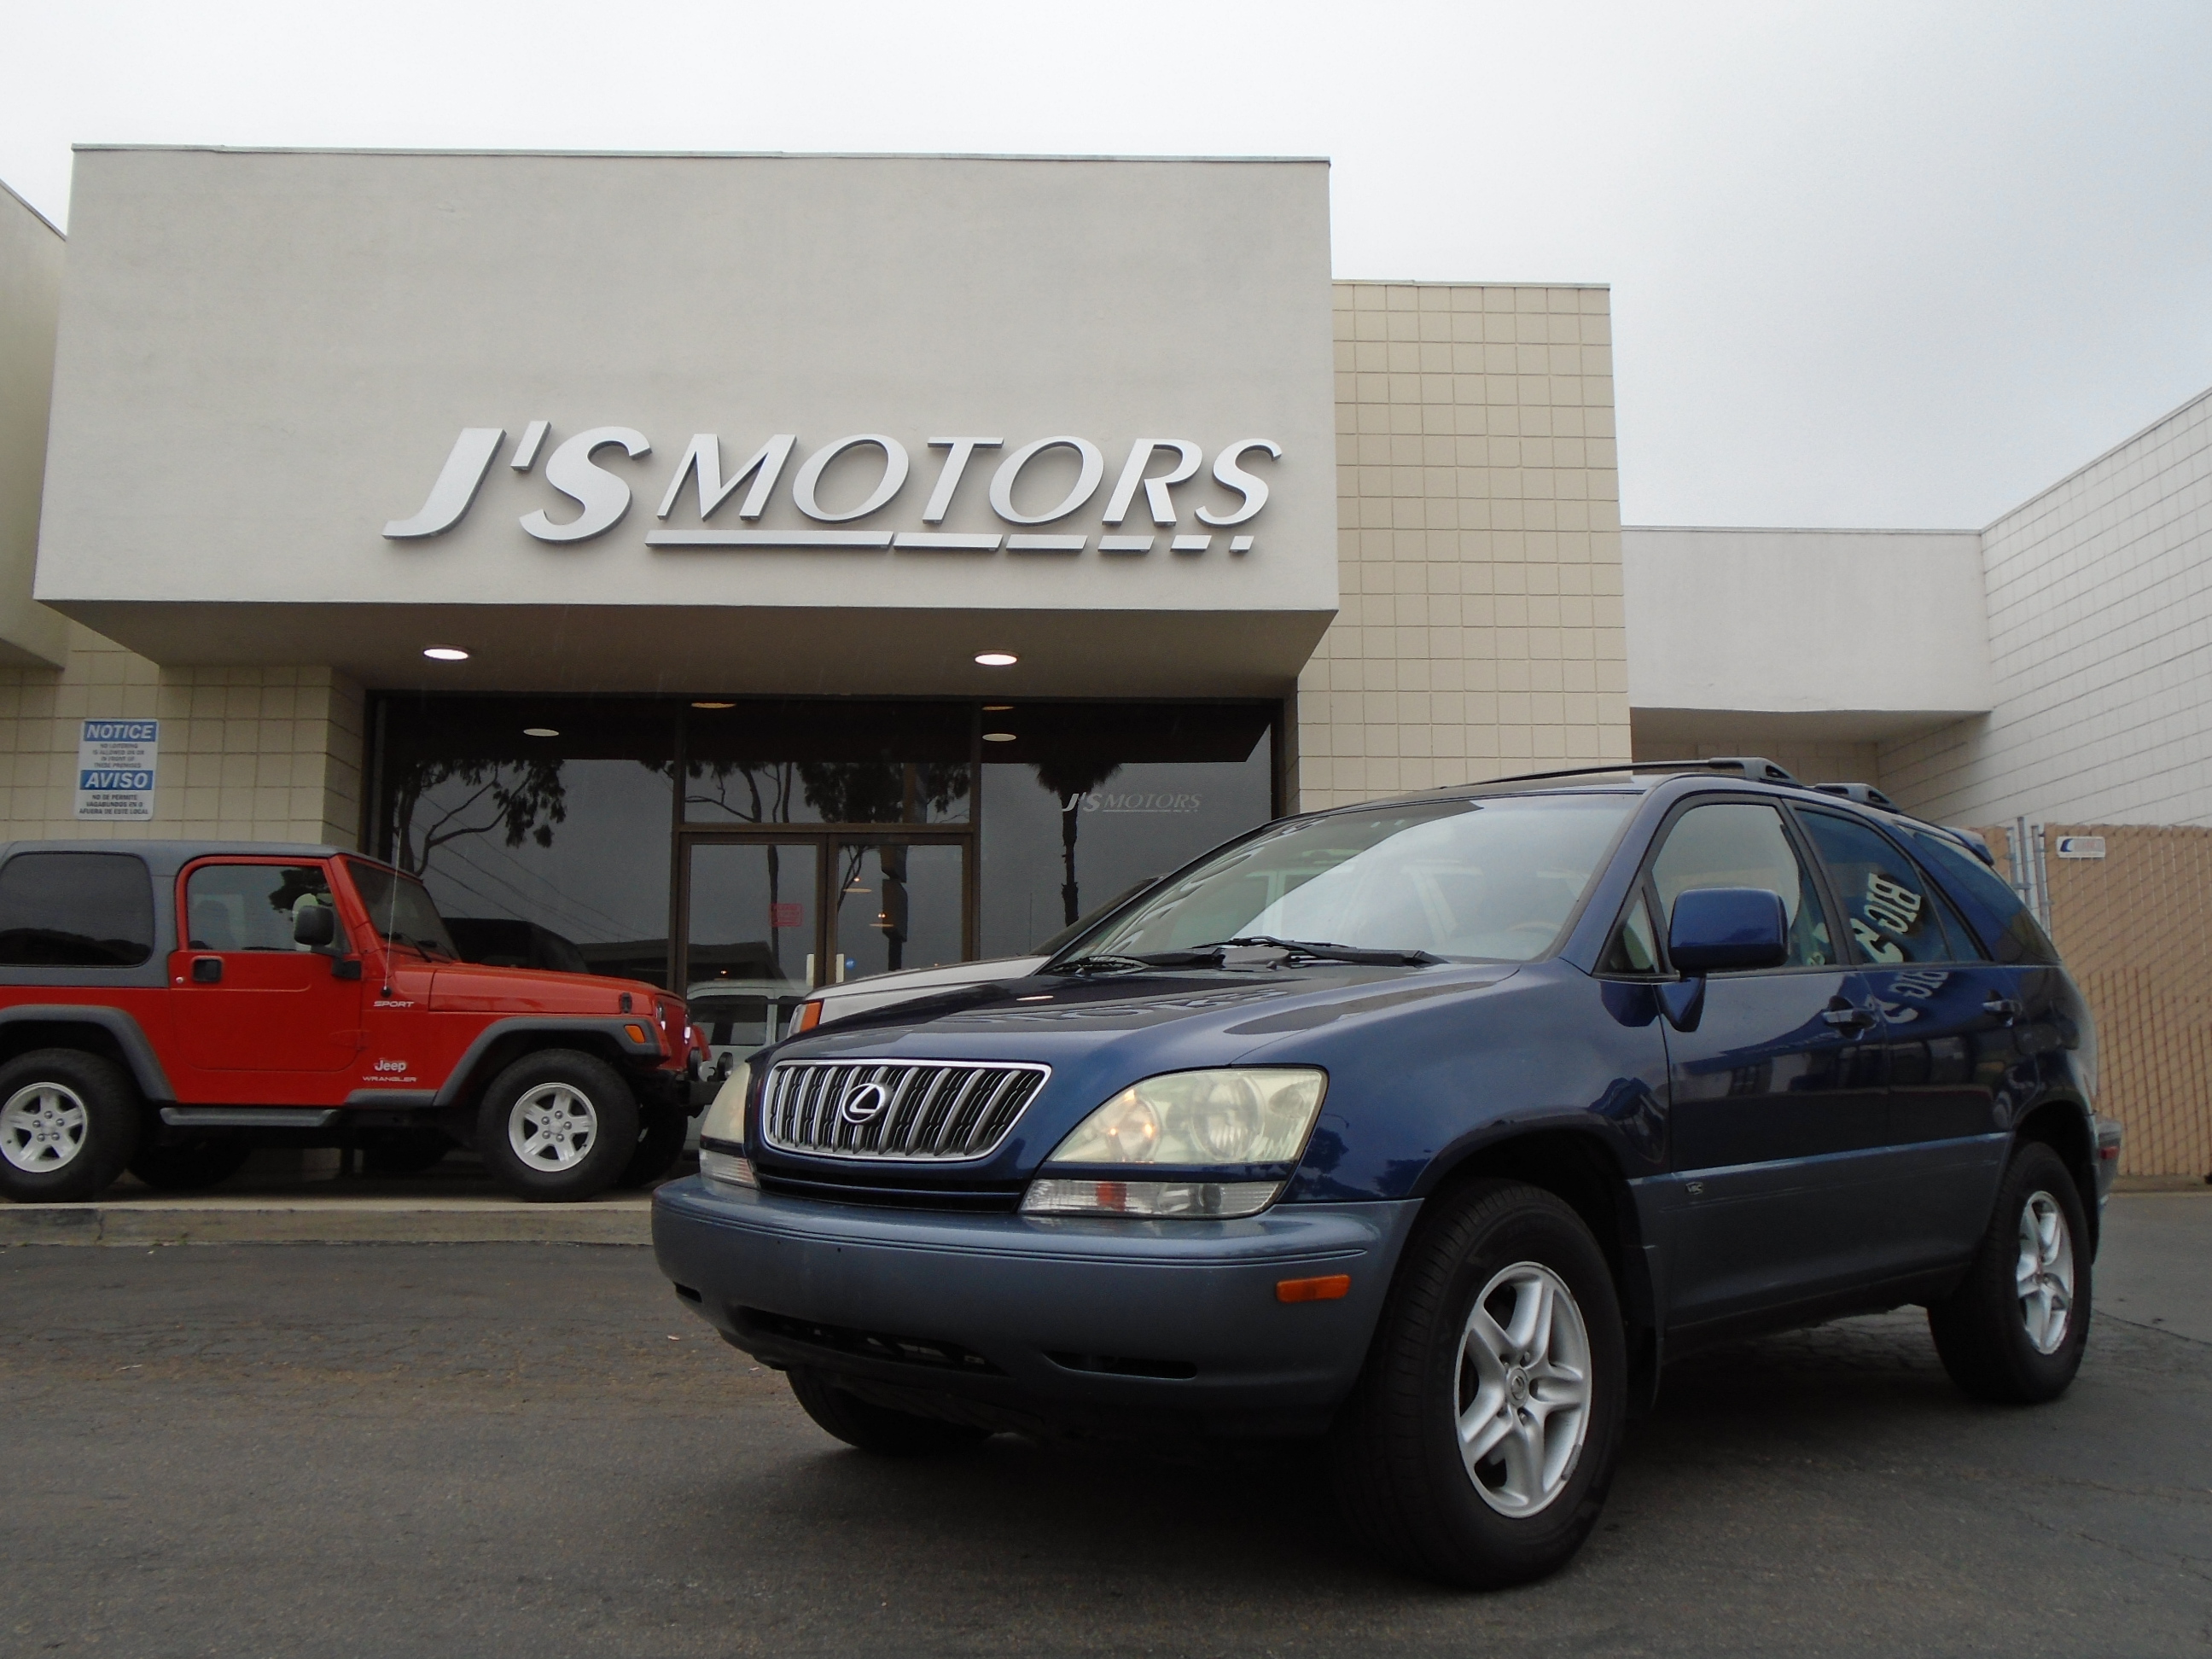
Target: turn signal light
(1332,1288)
(809,1016)
(635,1034)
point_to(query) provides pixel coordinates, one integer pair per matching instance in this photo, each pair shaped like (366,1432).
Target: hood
(887,990)
(478,988)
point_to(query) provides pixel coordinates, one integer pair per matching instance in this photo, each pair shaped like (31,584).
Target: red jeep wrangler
(166,1006)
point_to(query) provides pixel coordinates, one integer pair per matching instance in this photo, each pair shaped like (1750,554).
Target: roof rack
(1864,793)
(1755,767)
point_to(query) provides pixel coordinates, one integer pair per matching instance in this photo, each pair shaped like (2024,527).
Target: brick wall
(1480,629)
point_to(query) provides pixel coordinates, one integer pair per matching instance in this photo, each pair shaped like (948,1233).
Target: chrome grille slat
(935,1110)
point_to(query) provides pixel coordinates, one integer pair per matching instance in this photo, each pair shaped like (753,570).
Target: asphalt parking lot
(490,1450)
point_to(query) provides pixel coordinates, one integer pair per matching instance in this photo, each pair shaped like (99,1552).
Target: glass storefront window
(760,762)
(567,832)
(898,906)
(1082,801)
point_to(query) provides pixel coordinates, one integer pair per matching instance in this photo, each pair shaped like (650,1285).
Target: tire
(405,1152)
(69,1122)
(558,1126)
(1521,1510)
(878,1429)
(2001,1344)
(660,1144)
(193,1167)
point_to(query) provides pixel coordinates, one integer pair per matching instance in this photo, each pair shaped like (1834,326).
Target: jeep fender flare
(130,1039)
(458,1081)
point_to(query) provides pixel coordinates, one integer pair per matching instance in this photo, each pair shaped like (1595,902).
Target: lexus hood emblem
(863,1103)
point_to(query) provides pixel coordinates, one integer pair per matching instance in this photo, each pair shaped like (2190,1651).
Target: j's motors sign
(1028,491)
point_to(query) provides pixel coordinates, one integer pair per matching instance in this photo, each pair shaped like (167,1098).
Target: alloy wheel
(2044,1277)
(552,1126)
(42,1128)
(1523,1403)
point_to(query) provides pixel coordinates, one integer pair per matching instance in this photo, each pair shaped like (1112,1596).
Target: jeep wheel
(660,1144)
(192,1167)
(874,1428)
(69,1121)
(558,1126)
(2014,1331)
(1481,1439)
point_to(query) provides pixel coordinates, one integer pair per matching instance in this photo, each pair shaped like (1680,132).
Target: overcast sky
(1871,263)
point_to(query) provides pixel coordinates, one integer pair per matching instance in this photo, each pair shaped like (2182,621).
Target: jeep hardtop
(166,1007)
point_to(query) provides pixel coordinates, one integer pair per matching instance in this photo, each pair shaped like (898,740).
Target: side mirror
(315,926)
(1715,929)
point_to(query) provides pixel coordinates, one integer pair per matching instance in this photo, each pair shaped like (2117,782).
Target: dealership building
(760,570)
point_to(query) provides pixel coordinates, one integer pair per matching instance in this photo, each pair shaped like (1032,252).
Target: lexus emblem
(863,1103)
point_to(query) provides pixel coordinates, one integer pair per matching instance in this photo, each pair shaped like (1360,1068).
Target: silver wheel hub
(42,1128)
(2043,1277)
(552,1126)
(1522,1402)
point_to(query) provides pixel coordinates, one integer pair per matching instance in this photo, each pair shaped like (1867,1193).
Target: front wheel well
(498,1055)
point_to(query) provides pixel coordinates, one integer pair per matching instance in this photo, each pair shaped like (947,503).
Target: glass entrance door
(897,904)
(752,939)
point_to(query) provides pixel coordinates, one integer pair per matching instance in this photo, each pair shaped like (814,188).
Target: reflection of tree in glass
(522,798)
(712,786)
(1071,779)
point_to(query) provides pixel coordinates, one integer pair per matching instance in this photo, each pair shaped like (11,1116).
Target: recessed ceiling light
(997,708)
(997,658)
(998,737)
(445,653)
(539,732)
(714,705)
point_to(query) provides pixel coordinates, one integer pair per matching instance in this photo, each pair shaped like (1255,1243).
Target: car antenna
(392,920)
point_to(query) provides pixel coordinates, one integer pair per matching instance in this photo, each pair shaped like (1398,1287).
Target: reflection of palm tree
(1072,780)
(501,795)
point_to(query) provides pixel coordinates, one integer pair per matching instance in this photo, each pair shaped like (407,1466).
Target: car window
(1891,910)
(1494,880)
(1634,949)
(1743,844)
(400,907)
(250,907)
(2012,934)
(76,910)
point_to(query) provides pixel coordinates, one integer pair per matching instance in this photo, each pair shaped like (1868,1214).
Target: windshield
(1494,880)
(407,915)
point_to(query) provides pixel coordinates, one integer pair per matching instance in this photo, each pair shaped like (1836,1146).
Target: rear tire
(193,1167)
(2013,1332)
(873,1428)
(558,1126)
(660,1144)
(69,1122)
(1502,1334)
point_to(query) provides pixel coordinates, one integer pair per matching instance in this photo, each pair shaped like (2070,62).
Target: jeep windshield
(1492,880)
(400,909)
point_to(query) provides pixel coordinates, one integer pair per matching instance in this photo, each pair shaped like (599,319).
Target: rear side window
(2012,934)
(76,910)
(1888,909)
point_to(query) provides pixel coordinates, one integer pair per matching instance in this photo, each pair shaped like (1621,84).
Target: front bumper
(1053,1322)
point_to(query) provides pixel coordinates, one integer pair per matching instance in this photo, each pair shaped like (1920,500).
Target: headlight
(728,1169)
(1186,1120)
(726,1118)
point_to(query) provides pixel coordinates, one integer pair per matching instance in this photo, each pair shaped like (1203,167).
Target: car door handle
(2007,1009)
(1851,1019)
(207,970)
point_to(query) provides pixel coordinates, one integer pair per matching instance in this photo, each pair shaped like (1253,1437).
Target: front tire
(878,1429)
(1480,1442)
(558,1126)
(69,1122)
(2014,1331)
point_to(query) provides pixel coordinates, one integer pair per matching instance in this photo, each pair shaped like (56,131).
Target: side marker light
(1332,1287)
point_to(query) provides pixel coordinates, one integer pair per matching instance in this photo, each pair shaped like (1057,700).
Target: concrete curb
(328,1221)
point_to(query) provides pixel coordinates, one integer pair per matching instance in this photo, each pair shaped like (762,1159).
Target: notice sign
(786,914)
(115,768)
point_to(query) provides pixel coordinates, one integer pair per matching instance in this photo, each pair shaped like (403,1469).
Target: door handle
(2007,1009)
(1849,1018)
(207,970)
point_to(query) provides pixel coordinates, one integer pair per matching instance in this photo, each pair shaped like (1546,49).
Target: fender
(463,1070)
(137,1052)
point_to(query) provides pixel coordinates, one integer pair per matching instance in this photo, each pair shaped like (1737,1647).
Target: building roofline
(686,154)
(1794,530)
(1458,281)
(27,207)
(2098,460)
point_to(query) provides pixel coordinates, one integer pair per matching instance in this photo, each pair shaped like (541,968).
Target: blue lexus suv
(1430,1129)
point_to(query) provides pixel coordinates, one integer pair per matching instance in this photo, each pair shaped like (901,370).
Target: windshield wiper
(1320,951)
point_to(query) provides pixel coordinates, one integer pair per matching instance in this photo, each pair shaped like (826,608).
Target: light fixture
(997,708)
(539,732)
(714,705)
(997,658)
(445,653)
(998,737)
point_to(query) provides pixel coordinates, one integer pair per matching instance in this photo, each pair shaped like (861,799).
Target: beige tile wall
(1479,542)
(248,754)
